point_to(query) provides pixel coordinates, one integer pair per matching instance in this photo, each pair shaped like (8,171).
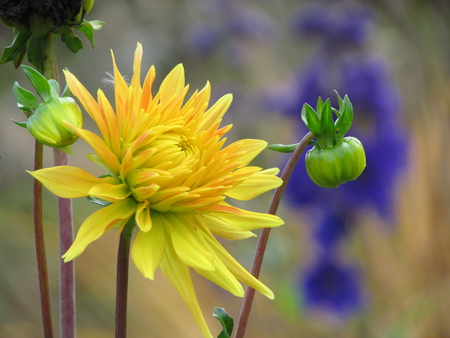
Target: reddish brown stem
(40,246)
(264,236)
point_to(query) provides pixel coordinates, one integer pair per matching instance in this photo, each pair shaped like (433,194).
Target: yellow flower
(168,167)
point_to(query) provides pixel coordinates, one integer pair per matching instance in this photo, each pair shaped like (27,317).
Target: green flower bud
(331,166)
(48,123)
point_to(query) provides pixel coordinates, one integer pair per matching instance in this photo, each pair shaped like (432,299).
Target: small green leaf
(72,41)
(66,91)
(39,83)
(18,47)
(55,87)
(36,52)
(319,107)
(98,201)
(226,322)
(327,128)
(344,122)
(20,124)
(289,148)
(96,24)
(87,29)
(311,119)
(24,97)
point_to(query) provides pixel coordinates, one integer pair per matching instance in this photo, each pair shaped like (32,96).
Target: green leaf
(319,107)
(311,119)
(24,97)
(66,91)
(72,41)
(289,148)
(39,83)
(54,87)
(20,124)
(98,201)
(87,29)
(226,322)
(327,125)
(17,48)
(344,122)
(96,24)
(36,52)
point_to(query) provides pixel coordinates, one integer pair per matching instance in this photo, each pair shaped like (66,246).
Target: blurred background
(368,259)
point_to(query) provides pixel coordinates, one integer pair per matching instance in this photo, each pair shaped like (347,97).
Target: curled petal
(149,247)
(66,181)
(98,223)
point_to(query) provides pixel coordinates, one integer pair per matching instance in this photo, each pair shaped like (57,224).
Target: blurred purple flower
(331,285)
(332,228)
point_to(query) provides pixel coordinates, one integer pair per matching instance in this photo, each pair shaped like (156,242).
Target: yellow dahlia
(167,166)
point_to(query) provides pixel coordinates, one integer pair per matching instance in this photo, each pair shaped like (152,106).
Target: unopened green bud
(48,123)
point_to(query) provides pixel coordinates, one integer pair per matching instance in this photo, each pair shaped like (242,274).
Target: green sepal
(18,59)
(20,124)
(98,201)
(27,111)
(311,119)
(24,97)
(319,107)
(17,48)
(66,91)
(39,83)
(344,122)
(327,125)
(282,148)
(54,87)
(72,41)
(36,52)
(226,321)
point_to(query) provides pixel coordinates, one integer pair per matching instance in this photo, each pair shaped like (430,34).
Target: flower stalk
(40,245)
(123,261)
(66,233)
(264,236)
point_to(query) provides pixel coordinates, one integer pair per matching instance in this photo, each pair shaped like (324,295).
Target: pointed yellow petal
(66,181)
(246,220)
(189,244)
(253,186)
(110,192)
(148,248)
(251,148)
(97,224)
(100,148)
(173,84)
(224,230)
(143,218)
(177,273)
(236,269)
(215,113)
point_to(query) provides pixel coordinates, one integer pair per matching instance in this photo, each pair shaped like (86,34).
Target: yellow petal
(66,181)
(253,186)
(177,273)
(173,84)
(100,148)
(97,224)
(251,148)
(215,113)
(189,244)
(143,218)
(224,230)
(148,248)
(236,269)
(110,192)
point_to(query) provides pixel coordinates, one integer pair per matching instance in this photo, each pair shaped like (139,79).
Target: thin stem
(40,246)
(264,236)
(66,234)
(123,259)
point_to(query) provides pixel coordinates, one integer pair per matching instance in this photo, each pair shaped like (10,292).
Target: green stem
(264,236)
(123,260)
(40,246)
(67,303)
